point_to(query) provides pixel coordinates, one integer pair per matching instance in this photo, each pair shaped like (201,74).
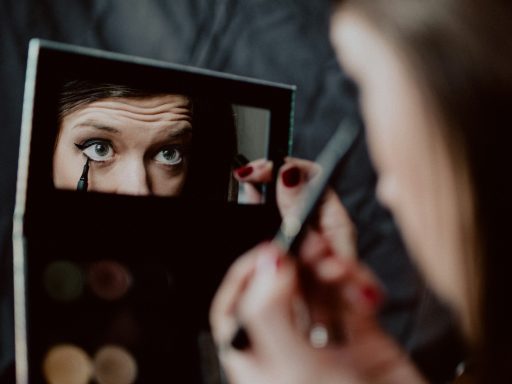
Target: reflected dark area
(114,138)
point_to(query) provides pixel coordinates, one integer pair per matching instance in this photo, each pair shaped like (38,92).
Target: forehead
(147,108)
(159,115)
(72,102)
(146,102)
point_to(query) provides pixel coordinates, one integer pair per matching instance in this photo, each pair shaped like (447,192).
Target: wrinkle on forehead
(147,109)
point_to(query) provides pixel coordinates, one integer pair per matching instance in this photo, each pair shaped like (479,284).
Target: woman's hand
(311,319)
(333,221)
(262,292)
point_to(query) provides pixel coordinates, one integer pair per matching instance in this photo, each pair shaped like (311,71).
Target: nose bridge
(134,177)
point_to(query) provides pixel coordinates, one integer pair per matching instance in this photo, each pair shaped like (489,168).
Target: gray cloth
(277,40)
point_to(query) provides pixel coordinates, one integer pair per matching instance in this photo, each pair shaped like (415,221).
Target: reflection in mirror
(101,276)
(113,138)
(252,140)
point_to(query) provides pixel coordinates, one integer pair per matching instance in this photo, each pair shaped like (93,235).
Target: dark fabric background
(277,40)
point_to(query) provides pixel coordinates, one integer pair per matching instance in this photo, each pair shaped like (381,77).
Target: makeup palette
(113,286)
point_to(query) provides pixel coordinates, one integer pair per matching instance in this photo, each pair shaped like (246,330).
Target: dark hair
(461,52)
(214,142)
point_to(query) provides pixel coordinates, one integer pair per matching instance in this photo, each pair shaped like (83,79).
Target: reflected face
(135,146)
(417,180)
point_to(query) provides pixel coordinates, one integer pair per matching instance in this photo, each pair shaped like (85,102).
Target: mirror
(128,214)
(113,138)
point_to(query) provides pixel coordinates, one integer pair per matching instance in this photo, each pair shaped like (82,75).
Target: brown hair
(461,52)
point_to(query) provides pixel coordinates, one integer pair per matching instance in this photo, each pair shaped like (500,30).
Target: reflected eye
(169,156)
(97,150)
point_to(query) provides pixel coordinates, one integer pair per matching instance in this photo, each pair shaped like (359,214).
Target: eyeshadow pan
(114,365)
(67,364)
(63,280)
(108,279)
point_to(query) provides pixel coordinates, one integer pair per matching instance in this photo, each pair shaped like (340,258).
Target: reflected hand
(251,176)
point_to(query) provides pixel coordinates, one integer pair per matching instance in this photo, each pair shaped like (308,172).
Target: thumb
(267,309)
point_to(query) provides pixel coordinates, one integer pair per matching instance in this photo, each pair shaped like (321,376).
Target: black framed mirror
(118,280)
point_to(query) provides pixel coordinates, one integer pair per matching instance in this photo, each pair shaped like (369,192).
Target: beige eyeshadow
(114,365)
(67,364)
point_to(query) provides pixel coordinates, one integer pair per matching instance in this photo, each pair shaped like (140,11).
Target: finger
(314,247)
(321,276)
(335,224)
(267,306)
(223,308)
(362,296)
(256,172)
(292,179)
(251,194)
(332,219)
(342,295)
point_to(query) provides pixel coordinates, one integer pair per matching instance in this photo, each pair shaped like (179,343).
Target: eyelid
(177,148)
(88,142)
(183,149)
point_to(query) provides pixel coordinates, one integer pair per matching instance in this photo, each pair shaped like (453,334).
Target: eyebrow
(96,125)
(178,132)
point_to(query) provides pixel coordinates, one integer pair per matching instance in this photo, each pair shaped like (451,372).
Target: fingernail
(291,177)
(371,295)
(278,262)
(243,171)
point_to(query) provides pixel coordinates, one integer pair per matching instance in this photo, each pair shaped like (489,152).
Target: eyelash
(84,145)
(90,142)
(87,143)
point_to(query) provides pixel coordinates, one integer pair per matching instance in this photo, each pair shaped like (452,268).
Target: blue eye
(169,156)
(97,150)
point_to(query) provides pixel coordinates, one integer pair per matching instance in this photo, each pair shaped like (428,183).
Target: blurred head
(435,82)
(138,142)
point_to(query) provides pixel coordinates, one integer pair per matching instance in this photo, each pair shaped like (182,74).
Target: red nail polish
(371,294)
(243,171)
(279,262)
(291,177)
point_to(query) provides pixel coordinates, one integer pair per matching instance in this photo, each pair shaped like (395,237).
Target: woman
(118,139)
(435,80)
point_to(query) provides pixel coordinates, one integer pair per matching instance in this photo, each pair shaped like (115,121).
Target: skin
(417,181)
(136,146)
(268,293)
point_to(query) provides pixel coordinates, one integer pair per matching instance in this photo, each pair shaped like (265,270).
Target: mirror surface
(113,138)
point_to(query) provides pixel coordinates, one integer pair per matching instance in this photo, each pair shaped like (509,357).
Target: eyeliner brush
(83,181)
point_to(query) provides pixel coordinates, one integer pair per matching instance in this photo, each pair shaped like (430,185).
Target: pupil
(101,149)
(168,154)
